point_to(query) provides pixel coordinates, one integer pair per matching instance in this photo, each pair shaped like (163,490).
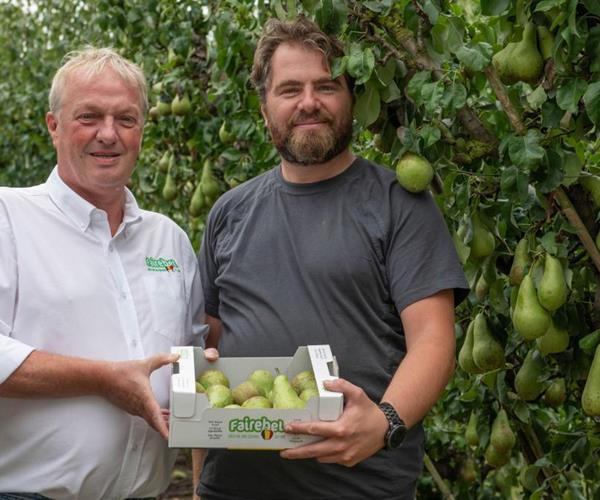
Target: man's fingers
(211,354)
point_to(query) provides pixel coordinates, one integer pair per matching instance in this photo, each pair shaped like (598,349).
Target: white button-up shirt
(68,287)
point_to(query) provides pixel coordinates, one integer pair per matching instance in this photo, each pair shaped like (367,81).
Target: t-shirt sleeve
(12,352)
(208,268)
(421,258)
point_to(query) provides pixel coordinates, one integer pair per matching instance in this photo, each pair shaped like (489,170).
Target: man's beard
(312,147)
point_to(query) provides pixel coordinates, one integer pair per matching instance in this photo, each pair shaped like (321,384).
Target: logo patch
(162,264)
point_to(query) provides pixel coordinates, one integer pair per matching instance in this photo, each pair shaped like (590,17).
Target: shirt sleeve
(421,258)
(12,352)
(208,268)
(195,323)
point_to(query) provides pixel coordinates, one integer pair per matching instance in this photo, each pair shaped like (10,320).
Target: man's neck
(305,174)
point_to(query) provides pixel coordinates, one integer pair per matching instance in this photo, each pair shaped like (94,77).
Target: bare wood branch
(500,91)
(437,478)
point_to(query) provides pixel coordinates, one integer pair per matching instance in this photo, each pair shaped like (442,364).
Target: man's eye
(128,120)
(327,88)
(87,116)
(289,91)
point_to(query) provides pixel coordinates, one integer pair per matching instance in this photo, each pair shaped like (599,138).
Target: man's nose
(106,131)
(309,101)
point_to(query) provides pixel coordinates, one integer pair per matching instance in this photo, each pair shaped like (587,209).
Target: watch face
(396,436)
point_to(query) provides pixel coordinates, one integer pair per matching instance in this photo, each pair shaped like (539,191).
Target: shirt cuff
(12,354)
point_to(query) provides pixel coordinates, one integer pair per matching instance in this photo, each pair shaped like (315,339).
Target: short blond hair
(93,61)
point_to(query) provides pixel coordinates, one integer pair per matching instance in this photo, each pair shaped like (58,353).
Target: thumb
(161,360)
(211,354)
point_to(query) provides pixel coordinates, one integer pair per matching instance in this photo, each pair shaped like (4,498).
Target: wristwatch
(397,428)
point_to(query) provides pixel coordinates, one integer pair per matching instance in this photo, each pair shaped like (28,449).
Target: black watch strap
(397,428)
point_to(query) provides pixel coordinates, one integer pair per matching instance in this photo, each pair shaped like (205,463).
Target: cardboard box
(194,424)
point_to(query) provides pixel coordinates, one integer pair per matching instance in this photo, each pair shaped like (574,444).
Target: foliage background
(512,158)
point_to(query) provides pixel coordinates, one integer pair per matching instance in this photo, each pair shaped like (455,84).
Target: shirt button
(134,343)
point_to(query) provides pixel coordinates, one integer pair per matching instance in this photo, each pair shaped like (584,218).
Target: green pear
(590,398)
(219,395)
(199,387)
(303,380)
(496,458)
(468,470)
(488,353)
(528,385)
(483,242)
(502,437)
(169,191)
(257,402)
(555,340)
(545,41)
(471,432)
(197,201)
(552,290)
(520,61)
(245,390)
(465,355)
(414,173)
(284,395)
(481,287)
(211,376)
(264,380)
(210,185)
(530,319)
(591,184)
(520,263)
(181,107)
(309,392)
(232,406)
(556,393)
(163,163)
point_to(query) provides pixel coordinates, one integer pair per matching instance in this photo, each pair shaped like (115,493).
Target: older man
(92,290)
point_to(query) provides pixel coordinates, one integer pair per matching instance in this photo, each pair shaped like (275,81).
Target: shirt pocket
(167,304)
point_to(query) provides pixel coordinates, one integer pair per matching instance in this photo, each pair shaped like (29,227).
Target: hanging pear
(520,61)
(528,384)
(552,290)
(488,353)
(520,263)
(483,241)
(163,163)
(481,287)
(465,355)
(530,319)
(495,458)
(197,201)
(169,191)
(502,437)
(471,433)
(545,41)
(556,393)
(591,183)
(555,340)
(590,398)
(210,185)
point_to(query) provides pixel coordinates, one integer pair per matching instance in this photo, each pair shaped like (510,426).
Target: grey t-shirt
(332,262)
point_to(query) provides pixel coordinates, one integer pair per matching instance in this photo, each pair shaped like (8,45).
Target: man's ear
(264,114)
(52,125)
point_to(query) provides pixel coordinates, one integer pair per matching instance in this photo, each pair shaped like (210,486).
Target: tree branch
(500,91)
(437,478)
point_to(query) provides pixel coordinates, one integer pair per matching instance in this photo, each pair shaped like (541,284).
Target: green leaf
(360,64)
(338,67)
(522,412)
(462,249)
(591,98)
(593,6)
(391,92)
(568,96)
(415,86)
(368,105)
(430,134)
(537,98)
(310,5)
(477,57)
(548,242)
(332,16)
(546,5)
(447,34)
(455,96)
(526,151)
(513,183)
(493,7)
(432,94)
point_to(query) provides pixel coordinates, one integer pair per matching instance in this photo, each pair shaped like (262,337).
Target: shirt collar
(79,210)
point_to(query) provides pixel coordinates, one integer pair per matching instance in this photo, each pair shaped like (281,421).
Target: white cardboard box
(194,424)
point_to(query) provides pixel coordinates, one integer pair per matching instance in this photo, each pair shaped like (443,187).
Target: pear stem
(437,478)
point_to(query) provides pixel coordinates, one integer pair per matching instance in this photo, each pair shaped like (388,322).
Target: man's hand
(356,435)
(127,386)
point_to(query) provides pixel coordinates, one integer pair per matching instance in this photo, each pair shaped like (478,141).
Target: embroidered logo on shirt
(162,264)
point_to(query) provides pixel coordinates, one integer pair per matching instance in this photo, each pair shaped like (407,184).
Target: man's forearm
(45,374)
(420,379)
